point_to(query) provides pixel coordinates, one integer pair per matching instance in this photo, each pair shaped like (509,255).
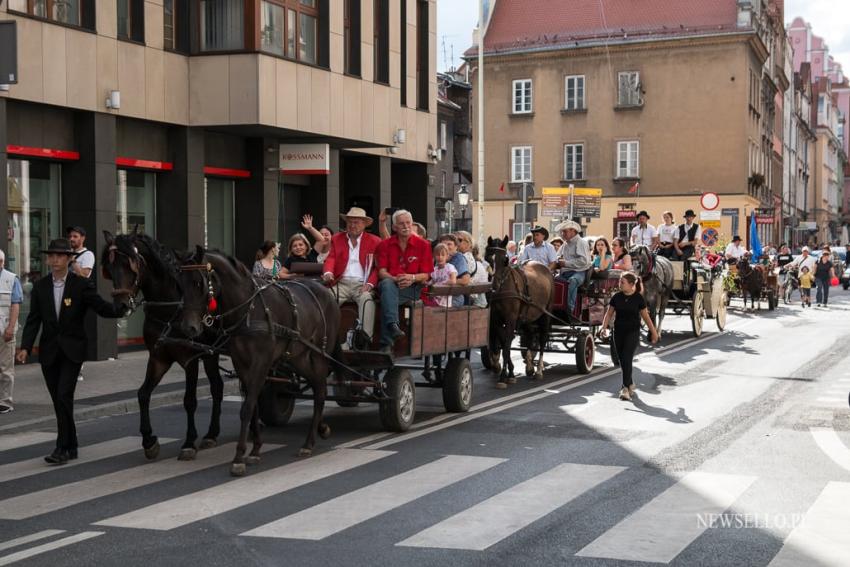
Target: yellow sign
(556,190)
(715,224)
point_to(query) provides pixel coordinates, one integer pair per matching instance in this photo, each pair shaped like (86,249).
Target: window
(168,18)
(573,161)
(290,28)
(123,7)
(627,159)
(219,214)
(271,27)
(629,89)
(423,71)
(519,230)
(520,164)
(222,25)
(131,19)
(381,44)
(522,96)
(351,39)
(175,25)
(574,93)
(403,67)
(71,12)
(443,145)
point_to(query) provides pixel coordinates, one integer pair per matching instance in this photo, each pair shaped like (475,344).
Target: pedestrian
(444,273)
(58,306)
(11,297)
(807,279)
(266,264)
(824,273)
(298,250)
(628,307)
(83,264)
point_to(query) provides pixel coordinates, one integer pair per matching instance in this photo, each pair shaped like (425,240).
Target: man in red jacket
(350,266)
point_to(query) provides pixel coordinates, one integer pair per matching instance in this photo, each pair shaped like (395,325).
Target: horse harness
(136,264)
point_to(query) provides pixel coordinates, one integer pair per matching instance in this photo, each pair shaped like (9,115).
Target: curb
(120,407)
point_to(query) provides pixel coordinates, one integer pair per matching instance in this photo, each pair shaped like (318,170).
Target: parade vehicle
(756,282)
(698,291)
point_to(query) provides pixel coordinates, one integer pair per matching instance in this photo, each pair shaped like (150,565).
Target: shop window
(131,20)
(34,196)
(80,13)
(219,214)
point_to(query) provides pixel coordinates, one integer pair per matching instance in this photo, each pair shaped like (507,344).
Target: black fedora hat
(644,214)
(541,229)
(690,213)
(736,238)
(59,246)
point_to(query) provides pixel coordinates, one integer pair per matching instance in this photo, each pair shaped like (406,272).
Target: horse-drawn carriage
(698,290)
(754,281)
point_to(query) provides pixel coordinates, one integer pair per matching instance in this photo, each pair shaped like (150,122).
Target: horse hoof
(251,460)
(324,430)
(501,386)
(538,376)
(305,452)
(187,454)
(529,372)
(237,469)
(512,380)
(152,452)
(208,444)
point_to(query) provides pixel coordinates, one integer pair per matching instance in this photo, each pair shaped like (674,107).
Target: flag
(634,188)
(502,187)
(755,243)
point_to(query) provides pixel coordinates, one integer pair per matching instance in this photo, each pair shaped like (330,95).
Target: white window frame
(632,155)
(443,130)
(526,175)
(579,102)
(631,96)
(521,101)
(578,165)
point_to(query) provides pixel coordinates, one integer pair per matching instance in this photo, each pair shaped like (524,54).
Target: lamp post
(463,201)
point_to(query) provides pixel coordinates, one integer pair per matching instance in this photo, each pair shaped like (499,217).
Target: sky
(830,19)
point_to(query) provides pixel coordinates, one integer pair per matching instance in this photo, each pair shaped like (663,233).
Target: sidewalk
(109,387)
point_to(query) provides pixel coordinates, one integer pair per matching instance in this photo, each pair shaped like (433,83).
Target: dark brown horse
(137,263)
(519,303)
(291,326)
(656,273)
(750,281)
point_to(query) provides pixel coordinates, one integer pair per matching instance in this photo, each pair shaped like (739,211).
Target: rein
(136,265)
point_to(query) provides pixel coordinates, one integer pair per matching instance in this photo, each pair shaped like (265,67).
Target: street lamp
(463,201)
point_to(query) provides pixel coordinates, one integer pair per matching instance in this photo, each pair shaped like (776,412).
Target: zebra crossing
(659,529)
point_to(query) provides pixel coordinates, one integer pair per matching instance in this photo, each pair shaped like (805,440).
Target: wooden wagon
(698,291)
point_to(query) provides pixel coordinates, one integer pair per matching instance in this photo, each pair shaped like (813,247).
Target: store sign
(305,159)
(764,216)
(729,212)
(556,202)
(626,214)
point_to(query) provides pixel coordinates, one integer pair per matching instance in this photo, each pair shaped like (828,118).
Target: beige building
(654,115)
(218,122)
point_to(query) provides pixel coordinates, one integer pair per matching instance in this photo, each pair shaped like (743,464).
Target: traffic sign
(710,236)
(709,201)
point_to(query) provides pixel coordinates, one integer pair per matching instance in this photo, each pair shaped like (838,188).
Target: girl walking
(628,307)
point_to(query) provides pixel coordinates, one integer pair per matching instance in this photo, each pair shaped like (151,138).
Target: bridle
(207,272)
(137,264)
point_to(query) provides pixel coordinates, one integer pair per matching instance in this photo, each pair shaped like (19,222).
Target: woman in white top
(667,235)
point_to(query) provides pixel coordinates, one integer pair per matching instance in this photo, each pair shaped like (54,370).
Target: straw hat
(357,213)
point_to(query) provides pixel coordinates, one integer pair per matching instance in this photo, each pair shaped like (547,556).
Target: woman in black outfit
(628,307)
(824,272)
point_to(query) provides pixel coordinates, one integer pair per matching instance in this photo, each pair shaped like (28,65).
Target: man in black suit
(58,306)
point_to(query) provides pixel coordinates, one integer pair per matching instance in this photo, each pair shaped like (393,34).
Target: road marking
(241,492)
(662,528)
(38,550)
(830,400)
(821,538)
(97,452)
(506,513)
(23,540)
(341,513)
(829,442)
(25,439)
(66,495)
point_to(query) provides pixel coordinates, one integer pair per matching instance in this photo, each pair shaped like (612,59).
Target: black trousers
(626,343)
(669,253)
(687,252)
(61,379)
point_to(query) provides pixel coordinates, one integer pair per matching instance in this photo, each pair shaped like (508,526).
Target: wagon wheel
(397,413)
(457,385)
(697,313)
(585,352)
(275,404)
(720,318)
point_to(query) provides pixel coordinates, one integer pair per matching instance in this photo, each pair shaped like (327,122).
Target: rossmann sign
(305,159)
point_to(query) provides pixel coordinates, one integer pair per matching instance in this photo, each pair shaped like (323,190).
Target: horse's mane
(235,264)
(165,261)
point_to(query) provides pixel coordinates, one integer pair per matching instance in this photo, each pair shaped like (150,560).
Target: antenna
(452,48)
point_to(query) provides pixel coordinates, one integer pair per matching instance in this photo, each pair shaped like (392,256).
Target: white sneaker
(6,408)
(625,395)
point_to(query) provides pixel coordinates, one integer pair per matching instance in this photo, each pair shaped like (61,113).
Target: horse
(292,326)
(137,263)
(750,280)
(521,301)
(656,273)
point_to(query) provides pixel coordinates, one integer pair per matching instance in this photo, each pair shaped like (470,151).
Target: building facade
(627,103)
(212,122)
(454,136)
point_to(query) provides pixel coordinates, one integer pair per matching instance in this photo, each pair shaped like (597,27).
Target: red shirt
(415,259)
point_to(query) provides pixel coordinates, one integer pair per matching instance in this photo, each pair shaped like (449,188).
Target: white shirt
(668,233)
(643,236)
(805,262)
(735,251)
(354,270)
(85,258)
(697,236)
(58,292)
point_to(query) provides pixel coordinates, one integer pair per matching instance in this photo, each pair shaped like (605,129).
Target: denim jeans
(573,281)
(391,296)
(823,291)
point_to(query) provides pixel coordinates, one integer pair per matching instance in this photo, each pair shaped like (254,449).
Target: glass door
(220,216)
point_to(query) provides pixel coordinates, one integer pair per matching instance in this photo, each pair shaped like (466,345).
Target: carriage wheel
(697,313)
(397,413)
(275,404)
(585,352)
(457,385)
(720,318)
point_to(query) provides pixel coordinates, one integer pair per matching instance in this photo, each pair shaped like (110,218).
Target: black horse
(292,326)
(656,273)
(750,281)
(138,263)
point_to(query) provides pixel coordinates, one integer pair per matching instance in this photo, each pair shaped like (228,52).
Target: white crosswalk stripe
(18,440)
(661,529)
(89,454)
(63,496)
(44,548)
(508,512)
(23,540)
(821,538)
(361,505)
(237,493)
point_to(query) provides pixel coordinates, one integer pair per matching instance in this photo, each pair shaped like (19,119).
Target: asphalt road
(735,451)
